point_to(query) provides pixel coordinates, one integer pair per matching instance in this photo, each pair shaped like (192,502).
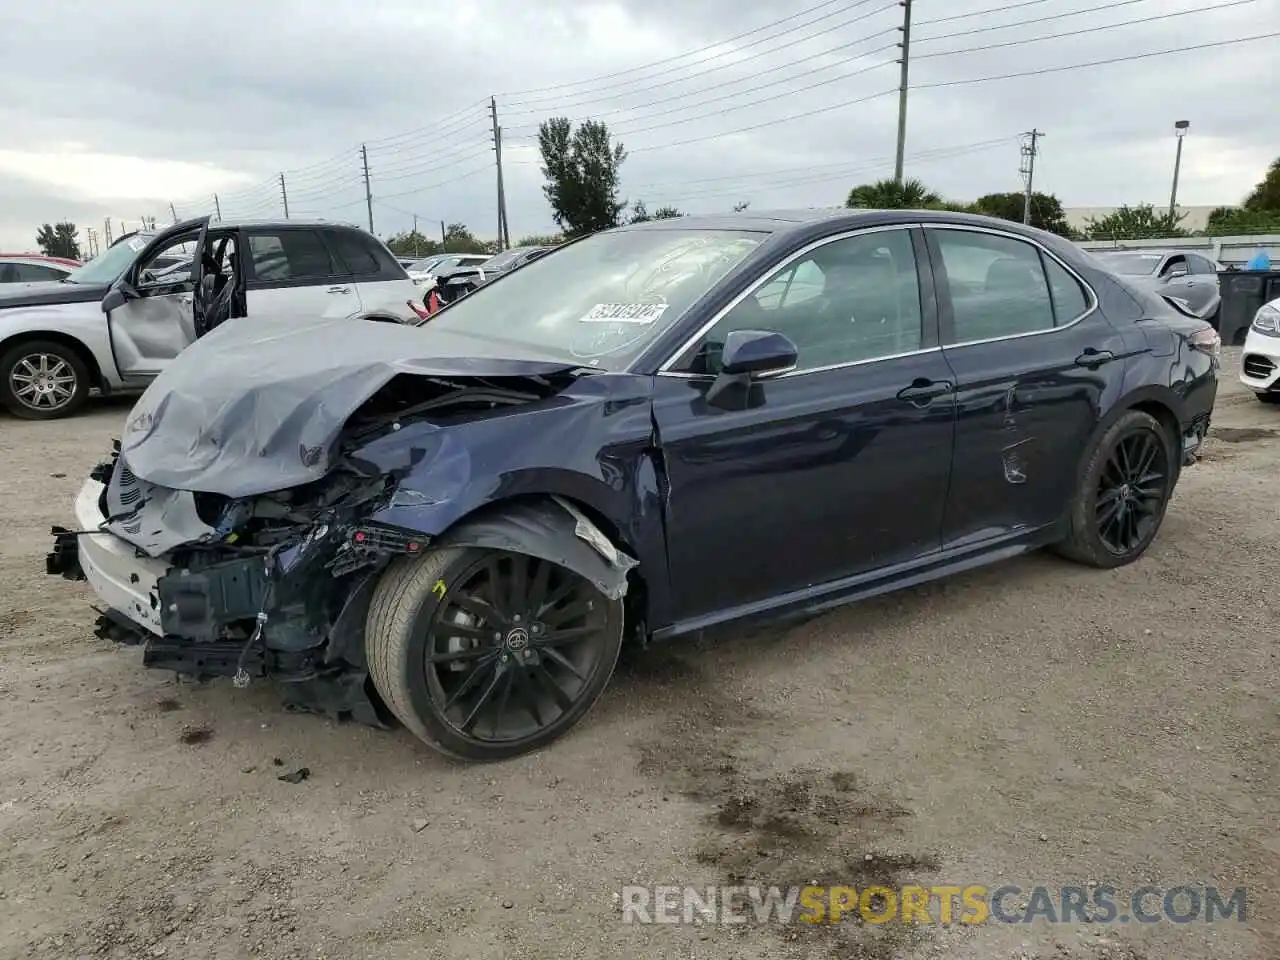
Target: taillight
(1206,341)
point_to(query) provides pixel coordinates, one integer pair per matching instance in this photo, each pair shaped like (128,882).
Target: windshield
(604,299)
(422,266)
(1131,264)
(107,266)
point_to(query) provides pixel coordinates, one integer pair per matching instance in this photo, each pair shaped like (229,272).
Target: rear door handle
(339,290)
(1093,358)
(922,391)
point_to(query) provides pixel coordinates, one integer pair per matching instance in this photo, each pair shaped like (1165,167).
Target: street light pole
(1179,131)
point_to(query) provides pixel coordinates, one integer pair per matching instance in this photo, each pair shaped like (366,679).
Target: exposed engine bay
(277,584)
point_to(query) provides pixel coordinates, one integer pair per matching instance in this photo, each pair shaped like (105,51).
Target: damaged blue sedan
(647,433)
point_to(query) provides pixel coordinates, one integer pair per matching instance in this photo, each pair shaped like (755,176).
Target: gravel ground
(1033,722)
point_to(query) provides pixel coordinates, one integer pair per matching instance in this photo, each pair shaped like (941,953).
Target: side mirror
(748,356)
(118,295)
(1177,270)
(757,354)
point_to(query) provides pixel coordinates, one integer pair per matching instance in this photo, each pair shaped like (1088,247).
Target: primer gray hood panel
(255,406)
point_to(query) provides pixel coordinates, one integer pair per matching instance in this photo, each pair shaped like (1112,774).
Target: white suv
(115,323)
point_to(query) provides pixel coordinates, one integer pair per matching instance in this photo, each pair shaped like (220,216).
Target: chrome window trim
(665,369)
(1045,251)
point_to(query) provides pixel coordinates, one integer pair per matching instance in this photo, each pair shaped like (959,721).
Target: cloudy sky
(120,109)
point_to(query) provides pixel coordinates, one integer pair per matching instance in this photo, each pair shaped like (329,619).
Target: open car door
(151,312)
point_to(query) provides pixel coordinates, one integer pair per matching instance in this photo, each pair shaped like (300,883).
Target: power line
(769,123)
(680,56)
(1023,23)
(487,168)
(1097,63)
(595,96)
(1085,30)
(983,13)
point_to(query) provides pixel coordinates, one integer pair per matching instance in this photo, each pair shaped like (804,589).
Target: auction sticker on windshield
(136,243)
(625,313)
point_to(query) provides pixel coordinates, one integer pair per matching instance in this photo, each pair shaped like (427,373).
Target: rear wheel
(1123,494)
(43,380)
(488,654)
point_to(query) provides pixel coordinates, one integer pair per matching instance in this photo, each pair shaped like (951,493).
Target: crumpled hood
(255,405)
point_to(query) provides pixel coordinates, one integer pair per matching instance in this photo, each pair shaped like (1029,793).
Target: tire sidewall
(1125,425)
(11,358)
(423,705)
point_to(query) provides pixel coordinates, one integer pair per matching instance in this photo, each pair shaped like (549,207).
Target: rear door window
(289,255)
(355,253)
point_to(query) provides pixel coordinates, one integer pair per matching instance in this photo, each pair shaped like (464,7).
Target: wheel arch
(1161,403)
(65,339)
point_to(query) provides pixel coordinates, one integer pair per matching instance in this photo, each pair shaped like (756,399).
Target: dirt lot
(1034,722)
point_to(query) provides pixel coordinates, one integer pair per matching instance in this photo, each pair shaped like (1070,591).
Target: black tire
(417,678)
(26,357)
(1114,491)
(1268,397)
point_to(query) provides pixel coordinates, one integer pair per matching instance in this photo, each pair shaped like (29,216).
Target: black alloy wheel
(1132,490)
(1123,493)
(502,653)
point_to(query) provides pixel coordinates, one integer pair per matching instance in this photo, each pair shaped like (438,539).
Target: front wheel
(43,380)
(485,654)
(1123,494)
(1268,397)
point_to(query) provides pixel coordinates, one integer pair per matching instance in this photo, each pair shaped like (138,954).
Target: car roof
(40,258)
(822,221)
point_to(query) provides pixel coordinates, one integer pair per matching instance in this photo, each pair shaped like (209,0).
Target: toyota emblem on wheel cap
(518,638)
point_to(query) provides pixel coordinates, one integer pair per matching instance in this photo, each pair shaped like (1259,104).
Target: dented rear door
(1035,362)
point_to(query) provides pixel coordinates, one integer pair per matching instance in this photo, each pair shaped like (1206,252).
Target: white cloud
(253,89)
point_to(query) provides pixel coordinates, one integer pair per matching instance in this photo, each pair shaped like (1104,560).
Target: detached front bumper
(123,581)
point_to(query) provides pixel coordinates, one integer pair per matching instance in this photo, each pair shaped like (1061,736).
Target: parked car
(458,524)
(453,282)
(119,320)
(1188,278)
(34,268)
(1260,361)
(423,272)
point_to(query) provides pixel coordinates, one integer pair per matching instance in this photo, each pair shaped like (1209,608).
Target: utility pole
(1180,131)
(368,193)
(902,89)
(416,251)
(502,198)
(217,207)
(497,151)
(107,230)
(1028,170)
(443,237)
(173,212)
(284,197)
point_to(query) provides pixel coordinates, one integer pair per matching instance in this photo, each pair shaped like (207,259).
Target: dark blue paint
(756,351)
(808,490)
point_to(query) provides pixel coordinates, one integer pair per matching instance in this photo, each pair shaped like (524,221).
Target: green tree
(582,171)
(741,205)
(412,244)
(458,238)
(1135,223)
(910,194)
(638,212)
(59,240)
(1239,221)
(666,213)
(1046,210)
(1266,195)
(541,240)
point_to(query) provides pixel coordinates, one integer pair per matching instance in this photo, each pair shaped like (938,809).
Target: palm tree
(892,195)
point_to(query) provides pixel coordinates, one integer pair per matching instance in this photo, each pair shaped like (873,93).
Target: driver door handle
(339,289)
(1093,358)
(922,391)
